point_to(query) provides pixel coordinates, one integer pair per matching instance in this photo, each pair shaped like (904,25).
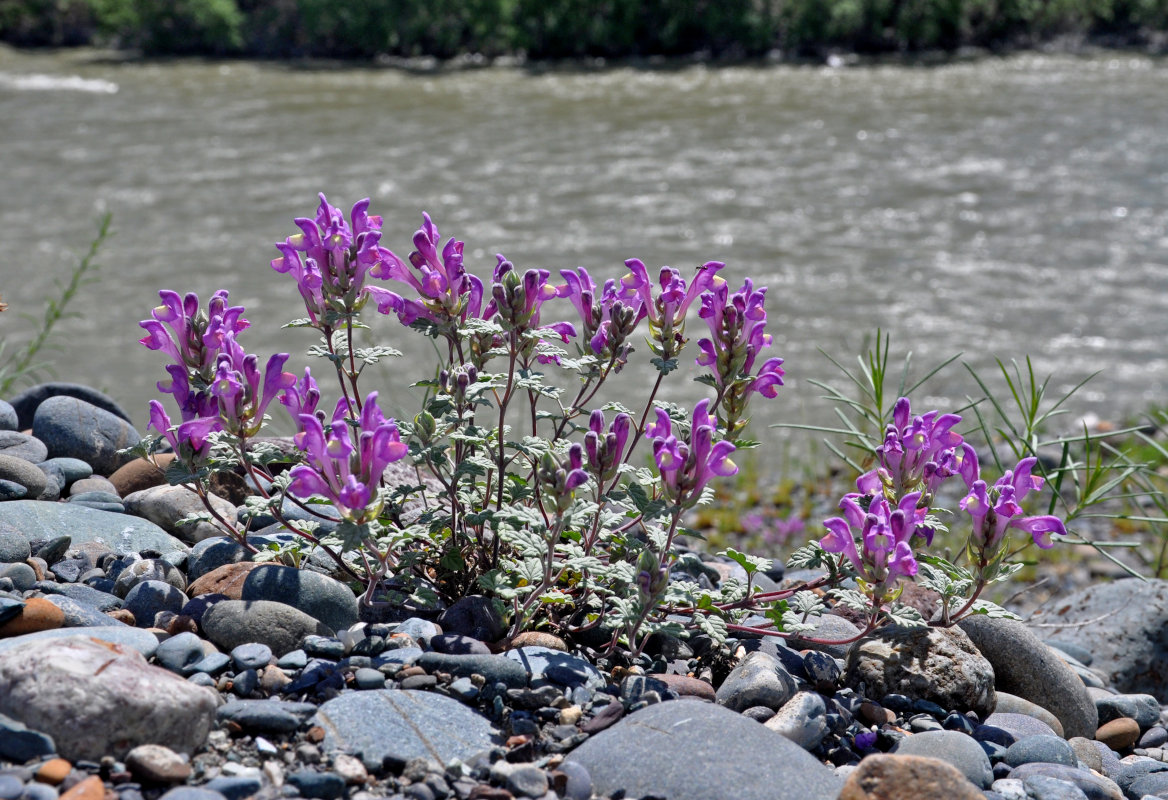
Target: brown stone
(89,789)
(686,686)
(539,639)
(876,714)
(38,567)
(54,771)
(894,777)
(140,474)
(273,679)
(38,614)
(123,615)
(227,580)
(1119,734)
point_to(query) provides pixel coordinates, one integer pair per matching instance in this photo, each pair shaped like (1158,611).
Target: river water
(1002,208)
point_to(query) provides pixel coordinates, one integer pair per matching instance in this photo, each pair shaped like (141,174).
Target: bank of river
(1003,207)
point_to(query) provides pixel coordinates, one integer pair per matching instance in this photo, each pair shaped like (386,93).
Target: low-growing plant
(509,484)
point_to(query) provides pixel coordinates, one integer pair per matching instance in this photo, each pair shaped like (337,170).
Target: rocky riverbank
(142,658)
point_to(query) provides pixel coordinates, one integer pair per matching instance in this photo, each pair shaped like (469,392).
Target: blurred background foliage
(550,29)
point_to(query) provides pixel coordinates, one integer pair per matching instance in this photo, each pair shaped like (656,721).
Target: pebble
(802,719)
(37,614)
(1040,748)
(281,627)
(324,785)
(251,655)
(23,446)
(73,428)
(1119,734)
(329,601)
(954,748)
(885,777)
(22,473)
(54,771)
(154,763)
(759,680)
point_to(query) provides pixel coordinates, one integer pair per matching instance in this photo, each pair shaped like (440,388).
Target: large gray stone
(25,404)
(758,680)
(97,699)
(166,505)
(8,418)
(123,635)
(14,546)
(390,727)
(25,473)
(1026,667)
(73,428)
(22,446)
(319,596)
(693,750)
(121,533)
(936,664)
(231,623)
(1096,787)
(1124,624)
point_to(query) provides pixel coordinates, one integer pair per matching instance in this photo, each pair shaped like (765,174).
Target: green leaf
(986,608)
(664,366)
(749,563)
(907,616)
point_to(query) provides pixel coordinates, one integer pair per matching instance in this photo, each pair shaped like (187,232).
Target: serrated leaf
(852,599)
(906,616)
(664,365)
(748,562)
(992,610)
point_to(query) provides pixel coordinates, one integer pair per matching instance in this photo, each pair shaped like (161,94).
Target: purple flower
(243,395)
(605,449)
(607,319)
(190,438)
(338,256)
(669,307)
(347,474)
(997,508)
(687,467)
(188,335)
(920,452)
(883,535)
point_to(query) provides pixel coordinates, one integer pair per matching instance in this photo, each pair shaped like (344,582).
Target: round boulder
(73,428)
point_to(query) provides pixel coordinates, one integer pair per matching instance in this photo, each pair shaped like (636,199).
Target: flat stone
(23,446)
(251,655)
(1040,748)
(952,747)
(940,665)
(121,533)
(95,598)
(538,639)
(1012,704)
(14,546)
(37,614)
(154,763)
(892,777)
(117,700)
(139,474)
(495,668)
(23,576)
(758,680)
(320,785)
(1019,725)
(321,597)
(74,428)
(91,788)
(147,598)
(802,719)
(1143,708)
(391,727)
(134,638)
(550,664)
(267,717)
(71,470)
(11,490)
(691,750)
(19,743)
(1096,787)
(830,627)
(180,653)
(81,615)
(686,686)
(1026,667)
(226,580)
(231,623)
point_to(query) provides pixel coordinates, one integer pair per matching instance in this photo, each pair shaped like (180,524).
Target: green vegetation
(22,364)
(363,29)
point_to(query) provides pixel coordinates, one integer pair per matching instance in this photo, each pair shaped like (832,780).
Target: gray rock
(936,664)
(125,636)
(70,470)
(268,717)
(23,576)
(116,700)
(1096,787)
(475,616)
(1019,725)
(180,653)
(758,680)
(251,655)
(219,551)
(1044,787)
(14,546)
(1143,708)
(1026,667)
(20,743)
(166,506)
(22,446)
(1125,639)
(319,596)
(191,793)
(94,483)
(1127,772)
(692,750)
(10,607)
(74,428)
(496,669)
(25,404)
(87,595)
(53,549)
(391,727)
(82,615)
(829,627)
(148,569)
(802,719)
(546,664)
(320,785)
(1040,748)
(234,788)
(147,598)
(11,490)
(8,419)
(1153,783)
(121,533)
(231,623)
(953,747)
(24,473)
(1012,704)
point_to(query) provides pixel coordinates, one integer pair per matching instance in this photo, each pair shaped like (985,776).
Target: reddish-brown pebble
(881,777)
(38,567)
(140,474)
(38,614)
(1119,734)
(273,679)
(54,771)
(123,615)
(539,639)
(686,686)
(484,792)
(410,672)
(875,714)
(226,580)
(89,789)
(315,734)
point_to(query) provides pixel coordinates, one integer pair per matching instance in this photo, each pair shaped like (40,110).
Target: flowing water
(1002,208)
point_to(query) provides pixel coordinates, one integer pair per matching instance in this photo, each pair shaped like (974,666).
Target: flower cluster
(608,321)
(667,308)
(737,325)
(688,466)
(884,554)
(995,509)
